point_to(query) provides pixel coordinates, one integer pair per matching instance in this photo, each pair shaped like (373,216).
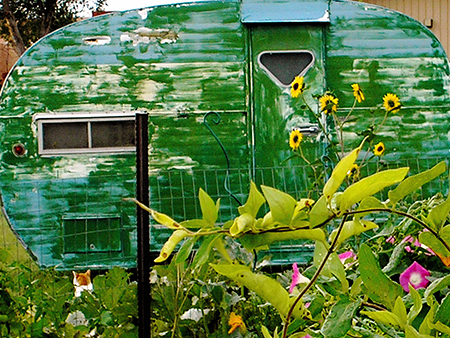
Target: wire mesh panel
(176,193)
(77,223)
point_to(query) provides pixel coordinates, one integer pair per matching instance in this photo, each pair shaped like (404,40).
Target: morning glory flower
(416,275)
(297,278)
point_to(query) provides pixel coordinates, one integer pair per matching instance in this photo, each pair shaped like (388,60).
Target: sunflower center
(295,138)
(380,148)
(391,104)
(295,86)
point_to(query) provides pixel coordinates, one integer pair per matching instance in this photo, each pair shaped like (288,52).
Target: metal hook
(227,178)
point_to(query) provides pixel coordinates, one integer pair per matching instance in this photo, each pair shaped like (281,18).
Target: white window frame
(43,118)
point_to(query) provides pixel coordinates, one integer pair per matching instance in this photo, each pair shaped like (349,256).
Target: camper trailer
(214,78)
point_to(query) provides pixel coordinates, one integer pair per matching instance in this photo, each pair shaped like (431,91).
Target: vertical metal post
(143,230)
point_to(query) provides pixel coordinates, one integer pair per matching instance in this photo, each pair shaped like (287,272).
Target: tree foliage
(23,22)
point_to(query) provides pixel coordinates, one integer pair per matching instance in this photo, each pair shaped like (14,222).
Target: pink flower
(297,278)
(416,276)
(307,336)
(390,239)
(347,258)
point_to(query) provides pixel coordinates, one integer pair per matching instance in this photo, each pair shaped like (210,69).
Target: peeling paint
(146,35)
(97,40)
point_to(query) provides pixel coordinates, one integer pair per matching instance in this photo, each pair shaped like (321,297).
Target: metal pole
(143,232)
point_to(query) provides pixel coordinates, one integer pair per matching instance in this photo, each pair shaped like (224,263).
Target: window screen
(113,134)
(65,135)
(86,135)
(285,66)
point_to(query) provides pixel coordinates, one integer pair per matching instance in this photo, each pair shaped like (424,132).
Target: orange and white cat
(82,282)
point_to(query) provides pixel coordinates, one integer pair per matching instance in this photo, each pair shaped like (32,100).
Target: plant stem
(315,277)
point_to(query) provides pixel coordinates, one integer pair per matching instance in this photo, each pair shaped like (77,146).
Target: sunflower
(379,149)
(295,139)
(328,103)
(391,103)
(353,170)
(297,86)
(357,92)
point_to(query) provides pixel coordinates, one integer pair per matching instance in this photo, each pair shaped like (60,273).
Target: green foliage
(359,297)
(40,303)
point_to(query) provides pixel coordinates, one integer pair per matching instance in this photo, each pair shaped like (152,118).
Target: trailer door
(286,39)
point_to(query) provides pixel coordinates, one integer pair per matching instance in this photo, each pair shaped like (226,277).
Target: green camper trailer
(214,78)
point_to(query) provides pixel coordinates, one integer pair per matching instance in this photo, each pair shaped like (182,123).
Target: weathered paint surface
(387,52)
(175,62)
(179,62)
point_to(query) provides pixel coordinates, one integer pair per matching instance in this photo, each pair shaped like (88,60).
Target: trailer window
(285,66)
(58,136)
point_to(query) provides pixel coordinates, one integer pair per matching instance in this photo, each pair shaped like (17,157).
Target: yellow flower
(328,103)
(353,171)
(235,322)
(379,149)
(297,86)
(391,103)
(357,92)
(295,139)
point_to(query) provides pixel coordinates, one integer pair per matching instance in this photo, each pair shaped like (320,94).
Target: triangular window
(285,66)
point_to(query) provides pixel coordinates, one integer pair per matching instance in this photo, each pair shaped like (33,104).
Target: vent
(91,233)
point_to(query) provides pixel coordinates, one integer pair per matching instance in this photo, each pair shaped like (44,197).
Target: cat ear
(74,274)
(88,273)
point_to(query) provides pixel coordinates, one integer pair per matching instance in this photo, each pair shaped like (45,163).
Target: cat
(82,282)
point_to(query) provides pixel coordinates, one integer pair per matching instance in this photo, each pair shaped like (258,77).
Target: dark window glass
(112,134)
(285,66)
(65,135)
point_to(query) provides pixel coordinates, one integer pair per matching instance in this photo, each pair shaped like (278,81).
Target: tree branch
(19,46)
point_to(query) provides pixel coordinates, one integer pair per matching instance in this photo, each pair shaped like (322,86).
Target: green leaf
(367,203)
(369,186)
(319,213)
(379,287)
(413,183)
(438,215)
(185,250)
(281,204)
(252,241)
(427,324)
(384,317)
(400,310)
(265,332)
(339,174)
(410,332)
(352,228)
(437,285)
(417,304)
(441,327)
(254,201)
(168,247)
(209,208)
(203,252)
(241,223)
(339,320)
(264,286)
(333,266)
(443,311)
(428,239)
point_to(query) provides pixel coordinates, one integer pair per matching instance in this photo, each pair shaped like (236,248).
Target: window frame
(272,76)
(42,118)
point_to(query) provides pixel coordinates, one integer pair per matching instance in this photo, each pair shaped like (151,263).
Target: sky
(123,5)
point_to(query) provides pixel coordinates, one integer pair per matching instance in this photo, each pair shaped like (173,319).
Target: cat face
(82,282)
